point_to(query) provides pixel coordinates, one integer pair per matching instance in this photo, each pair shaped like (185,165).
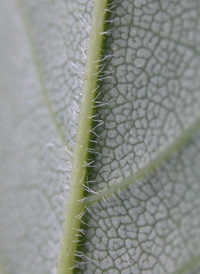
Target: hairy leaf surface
(41,58)
(143,166)
(152,98)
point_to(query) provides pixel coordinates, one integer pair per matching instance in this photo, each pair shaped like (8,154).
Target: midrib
(66,263)
(75,207)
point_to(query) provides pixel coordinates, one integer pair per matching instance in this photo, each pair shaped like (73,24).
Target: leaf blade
(34,162)
(152,97)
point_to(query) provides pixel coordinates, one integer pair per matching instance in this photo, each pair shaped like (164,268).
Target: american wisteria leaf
(130,149)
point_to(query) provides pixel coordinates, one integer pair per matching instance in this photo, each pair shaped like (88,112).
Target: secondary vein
(189,266)
(40,74)
(149,167)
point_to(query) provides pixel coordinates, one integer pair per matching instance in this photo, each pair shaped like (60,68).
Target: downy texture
(41,66)
(140,207)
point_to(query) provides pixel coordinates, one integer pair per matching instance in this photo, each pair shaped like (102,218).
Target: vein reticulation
(149,90)
(150,87)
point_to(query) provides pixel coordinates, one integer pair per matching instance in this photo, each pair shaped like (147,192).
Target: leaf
(151,225)
(142,170)
(40,94)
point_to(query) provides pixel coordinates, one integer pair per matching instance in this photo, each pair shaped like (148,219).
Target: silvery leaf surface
(144,158)
(151,97)
(41,62)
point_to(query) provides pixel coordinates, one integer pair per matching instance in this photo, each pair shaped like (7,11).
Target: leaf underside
(151,97)
(148,99)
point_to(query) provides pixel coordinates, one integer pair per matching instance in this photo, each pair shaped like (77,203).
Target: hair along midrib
(75,207)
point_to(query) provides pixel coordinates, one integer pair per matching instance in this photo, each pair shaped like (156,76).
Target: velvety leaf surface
(62,52)
(147,101)
(152,92)
(37,89)
(152,226)
(151,96)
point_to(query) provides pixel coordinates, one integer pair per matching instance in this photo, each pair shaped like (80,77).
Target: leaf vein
(149,167)
(40,76)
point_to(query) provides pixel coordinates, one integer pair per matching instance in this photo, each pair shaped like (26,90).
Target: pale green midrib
(75,207)
(189,266)
(134,177)
(149,167)
(40,75)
